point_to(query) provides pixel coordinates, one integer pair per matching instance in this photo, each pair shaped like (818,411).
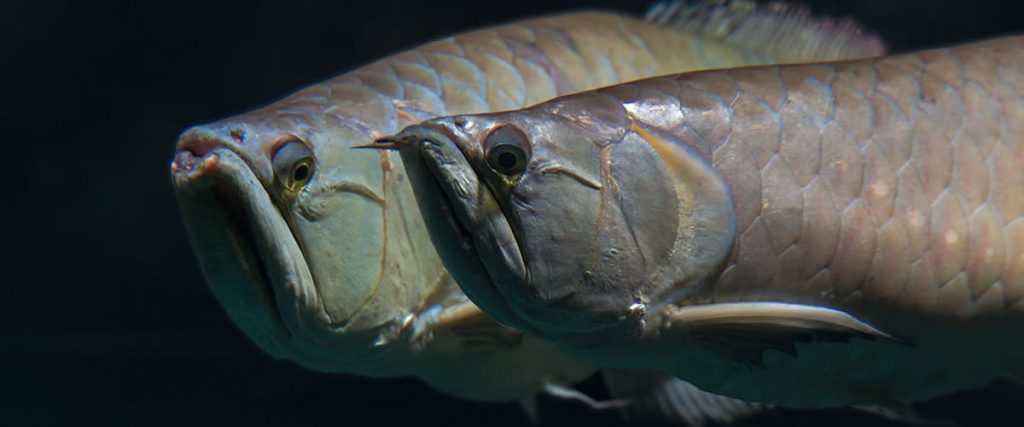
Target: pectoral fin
(471,328)
(743,331)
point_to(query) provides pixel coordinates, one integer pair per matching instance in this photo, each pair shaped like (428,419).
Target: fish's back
(517,65)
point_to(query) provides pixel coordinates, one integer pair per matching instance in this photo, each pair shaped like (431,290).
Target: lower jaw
(453,241)
(236,274)
(222,226)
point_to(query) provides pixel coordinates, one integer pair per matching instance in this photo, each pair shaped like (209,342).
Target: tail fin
(788,33)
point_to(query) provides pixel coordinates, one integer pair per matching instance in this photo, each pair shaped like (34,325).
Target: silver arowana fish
(318,252)
(807,235)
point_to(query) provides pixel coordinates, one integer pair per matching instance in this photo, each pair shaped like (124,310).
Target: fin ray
(659,397)
(789,32)
(744,331)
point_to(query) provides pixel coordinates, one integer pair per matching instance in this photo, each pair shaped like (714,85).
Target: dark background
(105,317)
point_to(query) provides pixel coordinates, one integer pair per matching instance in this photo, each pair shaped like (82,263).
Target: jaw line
(265,255)
(426,164)
(486,186)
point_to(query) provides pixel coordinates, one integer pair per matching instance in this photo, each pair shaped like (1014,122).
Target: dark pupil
(300,173)
(507,160)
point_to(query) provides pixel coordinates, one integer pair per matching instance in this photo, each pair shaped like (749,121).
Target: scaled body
(866,216)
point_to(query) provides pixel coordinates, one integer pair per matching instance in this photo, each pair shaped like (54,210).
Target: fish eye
(507,159)
(293,165)
(507,150)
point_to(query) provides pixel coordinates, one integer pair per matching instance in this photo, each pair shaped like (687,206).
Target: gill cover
(339,218)
(614,224)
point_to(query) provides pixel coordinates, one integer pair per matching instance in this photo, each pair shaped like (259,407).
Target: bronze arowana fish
(808,235)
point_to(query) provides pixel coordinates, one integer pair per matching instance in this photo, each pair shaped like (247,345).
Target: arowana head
(566,220)
(291,231)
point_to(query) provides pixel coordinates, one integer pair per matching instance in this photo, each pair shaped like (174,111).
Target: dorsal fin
(788,32)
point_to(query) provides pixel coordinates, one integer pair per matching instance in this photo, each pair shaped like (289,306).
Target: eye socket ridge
(293,165)
(507,150)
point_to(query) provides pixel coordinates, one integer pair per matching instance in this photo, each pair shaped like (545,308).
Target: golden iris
(293,165)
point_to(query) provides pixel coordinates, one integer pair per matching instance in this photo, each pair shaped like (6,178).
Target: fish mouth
(245,248)
(465,222)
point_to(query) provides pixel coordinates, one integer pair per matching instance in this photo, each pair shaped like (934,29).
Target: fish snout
(198,146)
(188,165)
(196,153)
(203,138)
